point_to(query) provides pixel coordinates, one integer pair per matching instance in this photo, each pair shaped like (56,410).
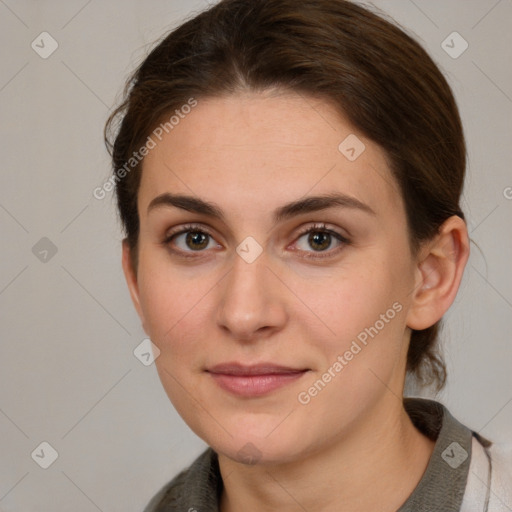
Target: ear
(130,275)
(439,271)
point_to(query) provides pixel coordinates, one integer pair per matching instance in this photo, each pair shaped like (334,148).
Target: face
(234,274)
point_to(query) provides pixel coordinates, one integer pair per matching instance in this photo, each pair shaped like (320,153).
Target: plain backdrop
(68,373)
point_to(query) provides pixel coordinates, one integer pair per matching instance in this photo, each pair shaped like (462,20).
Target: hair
(369,68)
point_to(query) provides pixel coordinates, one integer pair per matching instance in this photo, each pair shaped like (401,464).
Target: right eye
(189,239)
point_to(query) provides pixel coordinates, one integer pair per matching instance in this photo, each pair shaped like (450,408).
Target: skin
(352,447)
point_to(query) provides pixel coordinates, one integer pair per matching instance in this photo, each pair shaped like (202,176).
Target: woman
(288,176)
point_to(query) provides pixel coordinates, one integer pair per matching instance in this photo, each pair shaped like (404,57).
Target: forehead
(270,147)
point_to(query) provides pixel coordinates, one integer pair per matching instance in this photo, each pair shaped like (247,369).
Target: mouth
(254,380)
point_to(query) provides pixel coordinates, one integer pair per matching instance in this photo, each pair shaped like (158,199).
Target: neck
(374,466)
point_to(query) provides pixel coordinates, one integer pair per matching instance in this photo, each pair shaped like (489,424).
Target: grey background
(68,375)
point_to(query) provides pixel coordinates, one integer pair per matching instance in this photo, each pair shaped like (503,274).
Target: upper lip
(256,369)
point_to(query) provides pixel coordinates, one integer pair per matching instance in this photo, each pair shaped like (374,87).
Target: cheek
(362,311)
(174,321)
(360,357)
(175,304)
(352,301)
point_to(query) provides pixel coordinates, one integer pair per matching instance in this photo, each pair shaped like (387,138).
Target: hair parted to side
(382,80)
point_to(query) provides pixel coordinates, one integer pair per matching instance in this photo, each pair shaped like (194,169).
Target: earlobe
(439,272)
(131,280)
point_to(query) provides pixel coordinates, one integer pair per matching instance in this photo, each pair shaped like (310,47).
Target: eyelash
(316,228)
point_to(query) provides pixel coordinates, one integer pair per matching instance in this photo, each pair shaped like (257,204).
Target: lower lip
(254,385)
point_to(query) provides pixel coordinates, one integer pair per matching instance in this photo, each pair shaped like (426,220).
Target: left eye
(320,240)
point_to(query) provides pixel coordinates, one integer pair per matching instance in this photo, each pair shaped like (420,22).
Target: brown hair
(380,78)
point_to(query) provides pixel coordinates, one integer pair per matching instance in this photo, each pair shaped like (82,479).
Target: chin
(252,451)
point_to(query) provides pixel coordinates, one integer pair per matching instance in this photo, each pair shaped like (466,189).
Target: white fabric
(489,485)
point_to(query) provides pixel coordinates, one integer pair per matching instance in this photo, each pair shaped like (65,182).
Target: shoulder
(501,473)
(489,484)
(195,484)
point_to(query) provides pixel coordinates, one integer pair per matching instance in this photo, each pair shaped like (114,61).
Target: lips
(254,380)
(257,369)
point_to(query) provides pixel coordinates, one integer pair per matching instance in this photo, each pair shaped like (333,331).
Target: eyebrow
(306,205)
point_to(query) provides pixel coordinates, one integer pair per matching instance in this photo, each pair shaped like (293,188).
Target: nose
(252,300)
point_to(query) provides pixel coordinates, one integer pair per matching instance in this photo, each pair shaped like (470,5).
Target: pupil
(320,239)
(197,239)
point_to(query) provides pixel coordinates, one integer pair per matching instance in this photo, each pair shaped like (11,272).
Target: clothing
(466,473)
